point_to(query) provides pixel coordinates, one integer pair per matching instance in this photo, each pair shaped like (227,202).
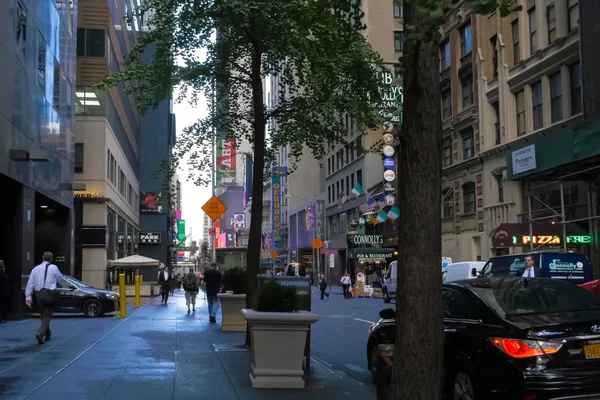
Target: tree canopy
(317,50)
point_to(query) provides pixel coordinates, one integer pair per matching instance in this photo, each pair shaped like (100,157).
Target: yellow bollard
(137,291)
(141,279)
(123,295)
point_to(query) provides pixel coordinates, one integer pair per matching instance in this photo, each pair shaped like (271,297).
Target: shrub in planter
(236,280)
(276,328)
(235,285)
(275,297)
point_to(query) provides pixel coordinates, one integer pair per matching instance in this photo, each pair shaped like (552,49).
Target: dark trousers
(46,310)
(164,293)
(323,294)
(346,289)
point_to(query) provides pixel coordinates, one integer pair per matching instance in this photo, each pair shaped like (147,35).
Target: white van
(389,282)
(462,270)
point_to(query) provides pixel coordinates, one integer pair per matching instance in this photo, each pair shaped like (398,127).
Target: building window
(538,105)
(122,182)
(466,42)
(516,40)
(41,62)
(130,194)
(576,101)
(466,85)
(78,158)
(493,41)
(329,166)
(329,193)
(91,42)
(359,177)
(573,6)
(446,104)
(556,97)
(500,183)
(398,42)
(532,30)
(398,9)
(108,164)
(352,180)
(521,121)
(468,148)
(21,28)
(56,92)
(342,186)
(337,189)
(497,124)
(447,150)
(551,15)
(469,198)
(445,56)
(448,203)
(348,188)
(90,101)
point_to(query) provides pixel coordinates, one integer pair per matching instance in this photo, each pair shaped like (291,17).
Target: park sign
(389,105)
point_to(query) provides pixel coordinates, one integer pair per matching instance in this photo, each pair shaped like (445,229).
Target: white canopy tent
(135,261)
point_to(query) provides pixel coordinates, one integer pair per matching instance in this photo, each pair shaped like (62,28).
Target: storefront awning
(371,254)
(518,234)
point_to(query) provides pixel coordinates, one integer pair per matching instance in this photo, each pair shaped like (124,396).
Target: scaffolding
(591,176)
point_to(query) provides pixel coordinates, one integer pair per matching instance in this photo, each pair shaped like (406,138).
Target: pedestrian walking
(290,270)
(212,280)
(164,280)
(346,282)
(4,292)
(191,285)
(323,287)
(42,281)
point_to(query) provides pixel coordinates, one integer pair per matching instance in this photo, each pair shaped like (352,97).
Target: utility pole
(214,166)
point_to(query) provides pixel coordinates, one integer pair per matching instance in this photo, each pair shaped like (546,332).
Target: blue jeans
(213,305)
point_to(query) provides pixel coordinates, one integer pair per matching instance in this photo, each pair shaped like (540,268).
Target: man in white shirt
(43,276)
(164,280)
(530,270)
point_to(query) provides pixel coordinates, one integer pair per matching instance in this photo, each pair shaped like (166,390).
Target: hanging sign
(389,175)
(388,163)
(388,151)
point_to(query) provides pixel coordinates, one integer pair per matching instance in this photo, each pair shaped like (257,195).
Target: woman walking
(346,282)
(323,287)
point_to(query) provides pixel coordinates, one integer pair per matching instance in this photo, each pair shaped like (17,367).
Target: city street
(161,353)
(339,339)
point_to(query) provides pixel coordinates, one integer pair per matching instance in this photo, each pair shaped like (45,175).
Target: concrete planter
(231,305)
(278,341)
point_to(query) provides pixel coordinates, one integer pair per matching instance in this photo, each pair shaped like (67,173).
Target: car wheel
(462,387)
(92,308)
(386,297)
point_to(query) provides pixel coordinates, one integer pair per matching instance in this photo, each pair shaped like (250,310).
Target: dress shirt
(36,279)
(166,275)
(529,273)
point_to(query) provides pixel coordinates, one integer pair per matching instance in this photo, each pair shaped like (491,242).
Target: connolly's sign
(368,239)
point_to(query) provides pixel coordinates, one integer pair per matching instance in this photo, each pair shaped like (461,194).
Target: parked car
(515,338)
(462,270)
(76,297)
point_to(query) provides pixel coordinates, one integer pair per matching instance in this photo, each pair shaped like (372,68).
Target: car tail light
(530,397)
(518,348)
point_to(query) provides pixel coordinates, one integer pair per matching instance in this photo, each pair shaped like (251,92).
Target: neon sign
(550,240)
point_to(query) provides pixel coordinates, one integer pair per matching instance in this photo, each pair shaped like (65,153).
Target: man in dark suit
(212,279)
(164,280)
(531,270)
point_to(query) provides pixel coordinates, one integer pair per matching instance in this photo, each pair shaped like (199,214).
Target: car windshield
(74,282)
(515,297)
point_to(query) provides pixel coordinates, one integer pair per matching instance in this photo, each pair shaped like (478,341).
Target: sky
(193,196)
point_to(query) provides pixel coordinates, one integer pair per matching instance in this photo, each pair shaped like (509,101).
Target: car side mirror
(387,313)
(72,288)
(474,272)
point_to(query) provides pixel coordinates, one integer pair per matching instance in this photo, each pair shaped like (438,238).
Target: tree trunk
(255,235)
(418,354)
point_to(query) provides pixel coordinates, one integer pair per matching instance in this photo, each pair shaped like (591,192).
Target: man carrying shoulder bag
(42,281)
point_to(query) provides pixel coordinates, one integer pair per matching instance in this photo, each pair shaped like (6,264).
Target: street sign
(274,255)
(317,243)
(214,208)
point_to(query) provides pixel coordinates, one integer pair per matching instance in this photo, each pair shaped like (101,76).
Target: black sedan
(515,338)
(75,297)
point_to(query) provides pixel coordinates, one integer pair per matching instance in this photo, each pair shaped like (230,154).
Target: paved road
(157,353)
(339,338)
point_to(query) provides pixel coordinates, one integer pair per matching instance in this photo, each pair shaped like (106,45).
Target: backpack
(190,283)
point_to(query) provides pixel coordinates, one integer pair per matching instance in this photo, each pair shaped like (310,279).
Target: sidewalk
(157,353)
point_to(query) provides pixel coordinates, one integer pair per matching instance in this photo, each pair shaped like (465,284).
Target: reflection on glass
(90,101)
